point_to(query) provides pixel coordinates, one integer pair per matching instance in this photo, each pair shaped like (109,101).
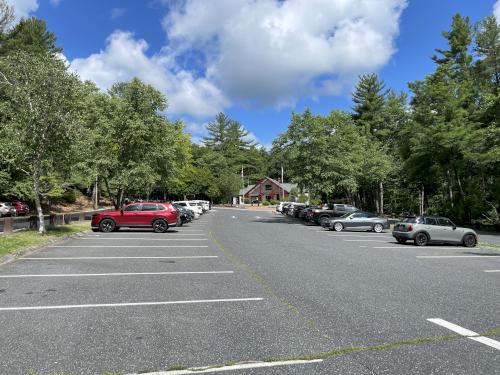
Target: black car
(321,216)
(185,215)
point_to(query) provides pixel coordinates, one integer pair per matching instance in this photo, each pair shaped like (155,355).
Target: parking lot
(236,287)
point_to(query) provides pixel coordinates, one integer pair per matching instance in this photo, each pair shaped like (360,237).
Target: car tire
(469,240)
(160,226)
(95,229)
(401,240)
(378,228)
(338,227)
(107,225)
(323,221)
(421,239)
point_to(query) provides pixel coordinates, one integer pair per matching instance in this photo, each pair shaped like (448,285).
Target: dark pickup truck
(319,215)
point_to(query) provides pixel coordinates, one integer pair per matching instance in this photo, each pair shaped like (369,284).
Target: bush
(265,203)
(69,196)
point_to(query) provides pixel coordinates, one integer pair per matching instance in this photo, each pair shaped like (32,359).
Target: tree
(30,35)
(134,148)
(6,16)
(369,99)
(38,116)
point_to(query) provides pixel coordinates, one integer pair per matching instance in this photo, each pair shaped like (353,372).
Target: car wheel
(338,227)
(401,240)
(421,239)
(378,228)
(107,225)
(323,221)
(470,240)
(160,226)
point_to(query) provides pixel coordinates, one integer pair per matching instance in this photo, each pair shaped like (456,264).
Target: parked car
(21,208)
(357,220)
(6,209)
(204,204)
(321,216)
(279,207)
(184,215)
(426,229)
(158,216)
(191,206)
(293,208)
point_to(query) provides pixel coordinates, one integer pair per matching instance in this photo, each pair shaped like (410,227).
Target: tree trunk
(381,198)
(450,189)
(109,194)
(377,202)
(38,205)
(422,198)
(96,195)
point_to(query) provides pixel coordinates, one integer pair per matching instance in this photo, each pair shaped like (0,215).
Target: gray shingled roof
(246,189)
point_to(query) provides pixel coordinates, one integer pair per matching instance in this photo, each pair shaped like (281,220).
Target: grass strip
(10,243)
(489,244)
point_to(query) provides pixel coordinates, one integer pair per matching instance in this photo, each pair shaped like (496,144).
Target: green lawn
(9,243)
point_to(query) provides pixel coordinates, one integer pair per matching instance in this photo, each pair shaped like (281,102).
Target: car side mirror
(454,227)
(121,212)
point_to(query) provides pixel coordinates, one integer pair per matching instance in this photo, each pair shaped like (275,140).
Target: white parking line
(413,247)
(492,271)
(119,274)
(135,246)
(359,235)
(236,367)
(105,258)
(129,304)
(455,256)
(145,239)
(364,241)
(466,333)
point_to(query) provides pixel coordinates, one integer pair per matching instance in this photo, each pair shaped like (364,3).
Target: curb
(33,249)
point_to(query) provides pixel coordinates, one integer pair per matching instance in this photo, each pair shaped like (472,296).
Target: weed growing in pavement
(489,244)
(176,368)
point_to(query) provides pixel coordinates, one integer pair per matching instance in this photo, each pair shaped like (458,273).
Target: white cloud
(273,52)
(496,10)
(125,57)
(55,3)
(23,8)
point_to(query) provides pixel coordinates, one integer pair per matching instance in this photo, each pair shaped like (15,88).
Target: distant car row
(160,216)
(422,230)
(15,208)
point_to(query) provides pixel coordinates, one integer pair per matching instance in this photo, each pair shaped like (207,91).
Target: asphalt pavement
(235,288)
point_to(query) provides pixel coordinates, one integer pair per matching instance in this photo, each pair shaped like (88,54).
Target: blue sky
(256,60)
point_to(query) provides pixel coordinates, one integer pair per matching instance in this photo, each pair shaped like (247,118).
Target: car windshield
(346,215)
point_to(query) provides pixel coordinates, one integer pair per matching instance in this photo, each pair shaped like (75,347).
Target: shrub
(69,196)
(265,203)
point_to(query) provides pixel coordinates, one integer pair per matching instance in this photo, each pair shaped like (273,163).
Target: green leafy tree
(38,116)
(369,99)
(29,35)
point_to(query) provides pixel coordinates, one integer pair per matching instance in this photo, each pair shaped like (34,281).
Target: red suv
(21,208)
(159,216)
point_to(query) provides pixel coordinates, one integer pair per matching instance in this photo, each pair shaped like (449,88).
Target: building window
(269,187)
(268,198)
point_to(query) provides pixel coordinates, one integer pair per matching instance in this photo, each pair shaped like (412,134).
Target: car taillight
(409,227)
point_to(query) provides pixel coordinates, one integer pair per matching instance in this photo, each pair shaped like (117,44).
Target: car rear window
(430,221)
(410,220)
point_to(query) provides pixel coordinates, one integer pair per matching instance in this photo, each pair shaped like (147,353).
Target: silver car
(6,209)
(357,220)
(423,230)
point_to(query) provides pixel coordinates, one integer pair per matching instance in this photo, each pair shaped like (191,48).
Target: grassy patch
(10,243)
(489,244)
